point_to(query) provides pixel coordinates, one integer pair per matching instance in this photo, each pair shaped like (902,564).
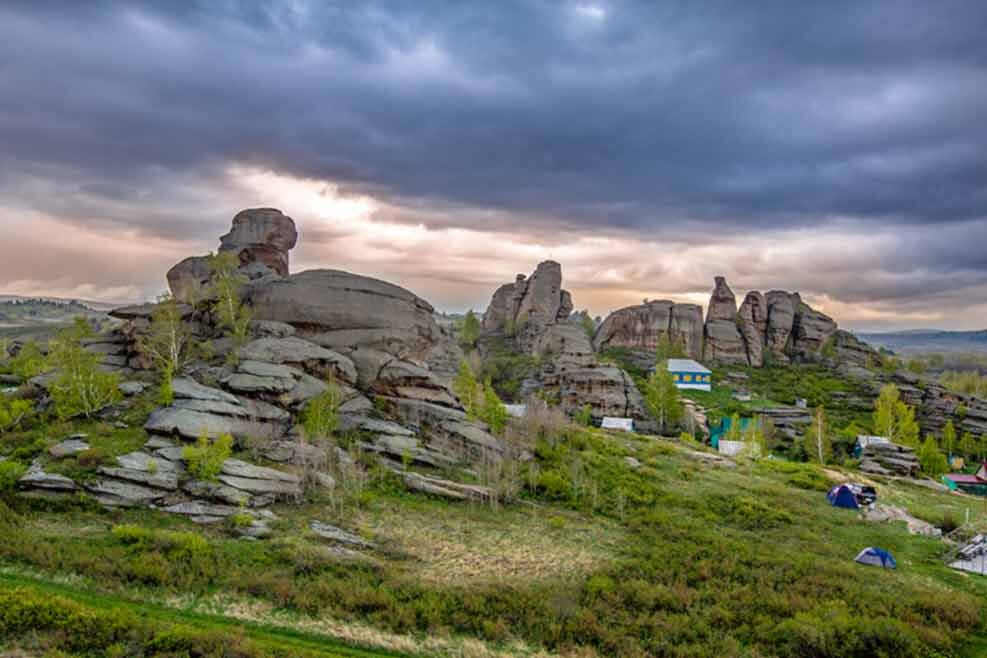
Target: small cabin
(972,484)
(690,374)
(612,423)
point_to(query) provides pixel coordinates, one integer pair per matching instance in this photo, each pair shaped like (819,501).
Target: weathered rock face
(261,235)
(722,340)
(641,327)
(811,329)
(340,310)
(753,321)
(260,238)
(781,319)
(189,279)
(565,346)
(609,391)
(529,306)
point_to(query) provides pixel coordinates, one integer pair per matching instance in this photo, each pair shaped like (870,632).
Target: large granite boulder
(526,308)
(811,329)
(565,346)
(343,311)
(781,319)
(261,235)
(641,327)
(189,279)
(722,340)
(753,325)
(608,390)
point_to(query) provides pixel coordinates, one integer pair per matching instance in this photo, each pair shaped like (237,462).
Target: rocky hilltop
(376,341)
(776,326)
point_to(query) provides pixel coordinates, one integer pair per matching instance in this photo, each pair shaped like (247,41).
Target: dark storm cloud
(634,115)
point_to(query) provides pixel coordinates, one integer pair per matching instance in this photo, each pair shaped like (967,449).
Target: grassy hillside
(675,556)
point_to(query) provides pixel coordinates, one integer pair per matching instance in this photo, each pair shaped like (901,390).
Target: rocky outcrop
(260,238)
(889,459)
(344,311)
(753,324)
(527,307)
(609,391)
(641,327)
(565,346)
(722,340)
(781,319)
(263,236)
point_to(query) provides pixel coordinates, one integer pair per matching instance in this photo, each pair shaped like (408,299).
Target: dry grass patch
(459,544)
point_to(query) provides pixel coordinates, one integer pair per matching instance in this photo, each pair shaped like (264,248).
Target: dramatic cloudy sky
(838,149)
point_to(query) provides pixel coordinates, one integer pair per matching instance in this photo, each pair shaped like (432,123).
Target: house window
(688,378)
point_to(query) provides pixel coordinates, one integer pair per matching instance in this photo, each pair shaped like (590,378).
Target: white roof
(611,423)
(865,439)
(687,365)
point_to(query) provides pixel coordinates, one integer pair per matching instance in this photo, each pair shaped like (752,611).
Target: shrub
(493,412)
(13,412)
(584,416)
(232,315)
(80,388)
(10,473)
(320,418)
(205,459)
(29,361)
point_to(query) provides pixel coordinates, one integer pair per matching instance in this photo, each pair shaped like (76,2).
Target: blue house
(690,374)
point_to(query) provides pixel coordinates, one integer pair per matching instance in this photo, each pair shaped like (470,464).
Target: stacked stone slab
(889,459)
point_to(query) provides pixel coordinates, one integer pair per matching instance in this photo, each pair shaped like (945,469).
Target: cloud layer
(838,149)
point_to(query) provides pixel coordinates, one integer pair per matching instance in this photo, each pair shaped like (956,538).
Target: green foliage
(930,459)
(661,397)
(894,419)
(588,325)
(468,390)
(505,368)
(470,332)
(80,388)
(29,361)
(321,415)
(969,382)
(13,412)
(917,366)
(205,459)
(820,446)
(492,411)
(969,447)
(949,438)
(584,416)
(232,315)
(168,342)
(10,472)
(669,349)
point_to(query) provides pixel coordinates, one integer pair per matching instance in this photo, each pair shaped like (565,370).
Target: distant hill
(915,341)
(89,304)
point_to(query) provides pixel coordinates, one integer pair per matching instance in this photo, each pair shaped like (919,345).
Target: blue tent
(876,557)
(842,496)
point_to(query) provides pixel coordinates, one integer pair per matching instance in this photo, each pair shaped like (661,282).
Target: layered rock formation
(535,312)
(526,308)
(260,238)
(374,340)
(641,327)
(722,341)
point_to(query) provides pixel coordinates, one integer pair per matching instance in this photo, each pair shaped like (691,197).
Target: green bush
(205,459)
(320,417)
(80,388)
(13,412)
(10,472)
